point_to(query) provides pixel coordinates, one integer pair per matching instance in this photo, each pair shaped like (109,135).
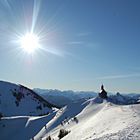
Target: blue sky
(85,43)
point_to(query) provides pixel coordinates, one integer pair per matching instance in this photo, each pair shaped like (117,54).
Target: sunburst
(29,42)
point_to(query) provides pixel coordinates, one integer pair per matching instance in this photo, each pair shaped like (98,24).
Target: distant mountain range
(62,98)
(20,100)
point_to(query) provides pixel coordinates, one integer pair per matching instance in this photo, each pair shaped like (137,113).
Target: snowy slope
(118,117)
(97,119)
(19,100)
(22,127)
(111,122)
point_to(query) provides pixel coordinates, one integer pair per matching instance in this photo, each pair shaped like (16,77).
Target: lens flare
(29,42)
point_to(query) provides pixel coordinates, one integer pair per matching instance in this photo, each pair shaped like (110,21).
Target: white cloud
(119,76)
(84,34)
(75,43)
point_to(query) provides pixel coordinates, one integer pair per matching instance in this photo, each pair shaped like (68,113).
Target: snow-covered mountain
(94,119)
(19,100)
(123,99)
(117,117)
(62,98)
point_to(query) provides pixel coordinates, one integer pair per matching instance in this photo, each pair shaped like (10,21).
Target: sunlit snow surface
(97,120)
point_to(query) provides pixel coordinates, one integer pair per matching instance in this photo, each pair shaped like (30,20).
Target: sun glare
(29,42)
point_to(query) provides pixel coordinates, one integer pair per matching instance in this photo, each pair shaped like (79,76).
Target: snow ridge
(20,100)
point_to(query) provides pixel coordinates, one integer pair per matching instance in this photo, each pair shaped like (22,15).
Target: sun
(29,42)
